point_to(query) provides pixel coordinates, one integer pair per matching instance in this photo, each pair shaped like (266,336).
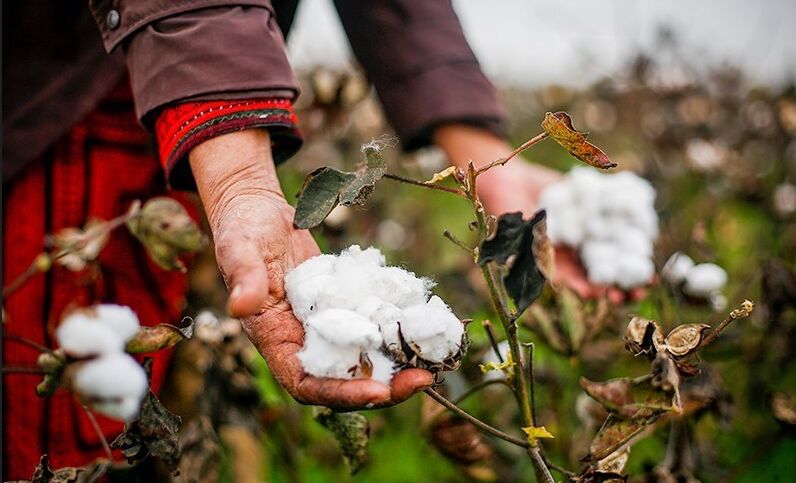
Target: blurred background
(697,97)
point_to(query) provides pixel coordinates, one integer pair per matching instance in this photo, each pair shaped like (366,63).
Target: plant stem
(735,314)
(22,370)
(475,421)
(96,427)
(501,161)
(27,342)
(414,182)
(450,236)
(530,347)
(35,267)
(490,333)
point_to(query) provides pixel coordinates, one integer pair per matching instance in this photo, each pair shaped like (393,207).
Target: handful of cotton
(111,382)
(610,219)
(363,319)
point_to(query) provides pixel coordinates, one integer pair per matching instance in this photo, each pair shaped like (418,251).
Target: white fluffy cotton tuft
(610,219)
(114,385)
(704,279)
(355,309)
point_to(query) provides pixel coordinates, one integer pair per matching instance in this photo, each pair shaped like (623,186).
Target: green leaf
(512,246)
(352,432)
(507,365)
(559,126)
(154,432)
(327,187)
(161,336)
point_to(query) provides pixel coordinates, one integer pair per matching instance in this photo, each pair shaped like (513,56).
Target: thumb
(247,278)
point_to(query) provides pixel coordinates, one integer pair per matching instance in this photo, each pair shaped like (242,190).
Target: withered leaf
(630,398)
(614,433)
(154,432)
(559,126)
(88,474)
(200,452)
(684,339)
(327,187)
(352,432)
(512,246)
(167,231)
(643,336)
(445,173)
(459,440)
(161,336)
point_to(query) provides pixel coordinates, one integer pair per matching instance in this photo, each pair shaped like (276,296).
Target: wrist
(234,165)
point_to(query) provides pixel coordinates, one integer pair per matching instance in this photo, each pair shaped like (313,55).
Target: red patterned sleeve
(181,127)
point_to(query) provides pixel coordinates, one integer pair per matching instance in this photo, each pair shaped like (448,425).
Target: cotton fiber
(610,219)
(703,280)
(364,319)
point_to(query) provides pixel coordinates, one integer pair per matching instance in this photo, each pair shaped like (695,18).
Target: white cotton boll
(704,279)
(124,409)
(321,358)
(635,241)
(565,226)
(433,330)
(345,328)
(81,336)
(400,287)
(111,379)
(634,270)
(602,273)
(382,368)
(596,252)
(369,255)
(646,218)
(587,183)
(119,318)
(677,267)
(556,196)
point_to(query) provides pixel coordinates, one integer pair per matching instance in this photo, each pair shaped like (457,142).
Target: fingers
(247,278)
(409,381)
(343,394)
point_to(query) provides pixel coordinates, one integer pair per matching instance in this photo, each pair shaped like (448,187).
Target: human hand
(256,244)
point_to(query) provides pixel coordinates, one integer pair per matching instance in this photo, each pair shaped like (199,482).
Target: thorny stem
(96,427)
(475,421)
(501,161)
(430,186)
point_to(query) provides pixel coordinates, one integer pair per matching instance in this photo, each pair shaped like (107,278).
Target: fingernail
(232,297)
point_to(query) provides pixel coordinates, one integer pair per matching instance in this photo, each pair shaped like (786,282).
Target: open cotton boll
(400,287)
(635,241)
(321,358)
(121,319)
(565,226)
(382,367)
(369,255)
(558,195)
(677,267)
(704,279)
(114,384)
(81,336)
(633,270)
(345,328)
(432,330)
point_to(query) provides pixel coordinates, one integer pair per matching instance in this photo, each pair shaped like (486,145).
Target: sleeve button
(113,19)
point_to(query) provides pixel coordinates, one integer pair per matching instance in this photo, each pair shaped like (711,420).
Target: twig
(501,161)
(478,387)
(402,179)
(450,236)
(556,467)
(490,333)
(96,427)
(743,312)
(475,421)
(40,264)
(27,342)
(530,347)
(541,465)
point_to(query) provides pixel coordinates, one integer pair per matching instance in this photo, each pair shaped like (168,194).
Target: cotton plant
(609,219)
(363,318)
(702,281)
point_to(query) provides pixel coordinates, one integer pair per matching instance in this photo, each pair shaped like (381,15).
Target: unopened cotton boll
(704,279)
(112,383)
(677,267)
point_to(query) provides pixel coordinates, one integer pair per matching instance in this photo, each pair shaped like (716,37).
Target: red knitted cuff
(181,127)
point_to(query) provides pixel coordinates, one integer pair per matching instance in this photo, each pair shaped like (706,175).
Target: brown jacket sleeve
(416,55)
(188,49)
